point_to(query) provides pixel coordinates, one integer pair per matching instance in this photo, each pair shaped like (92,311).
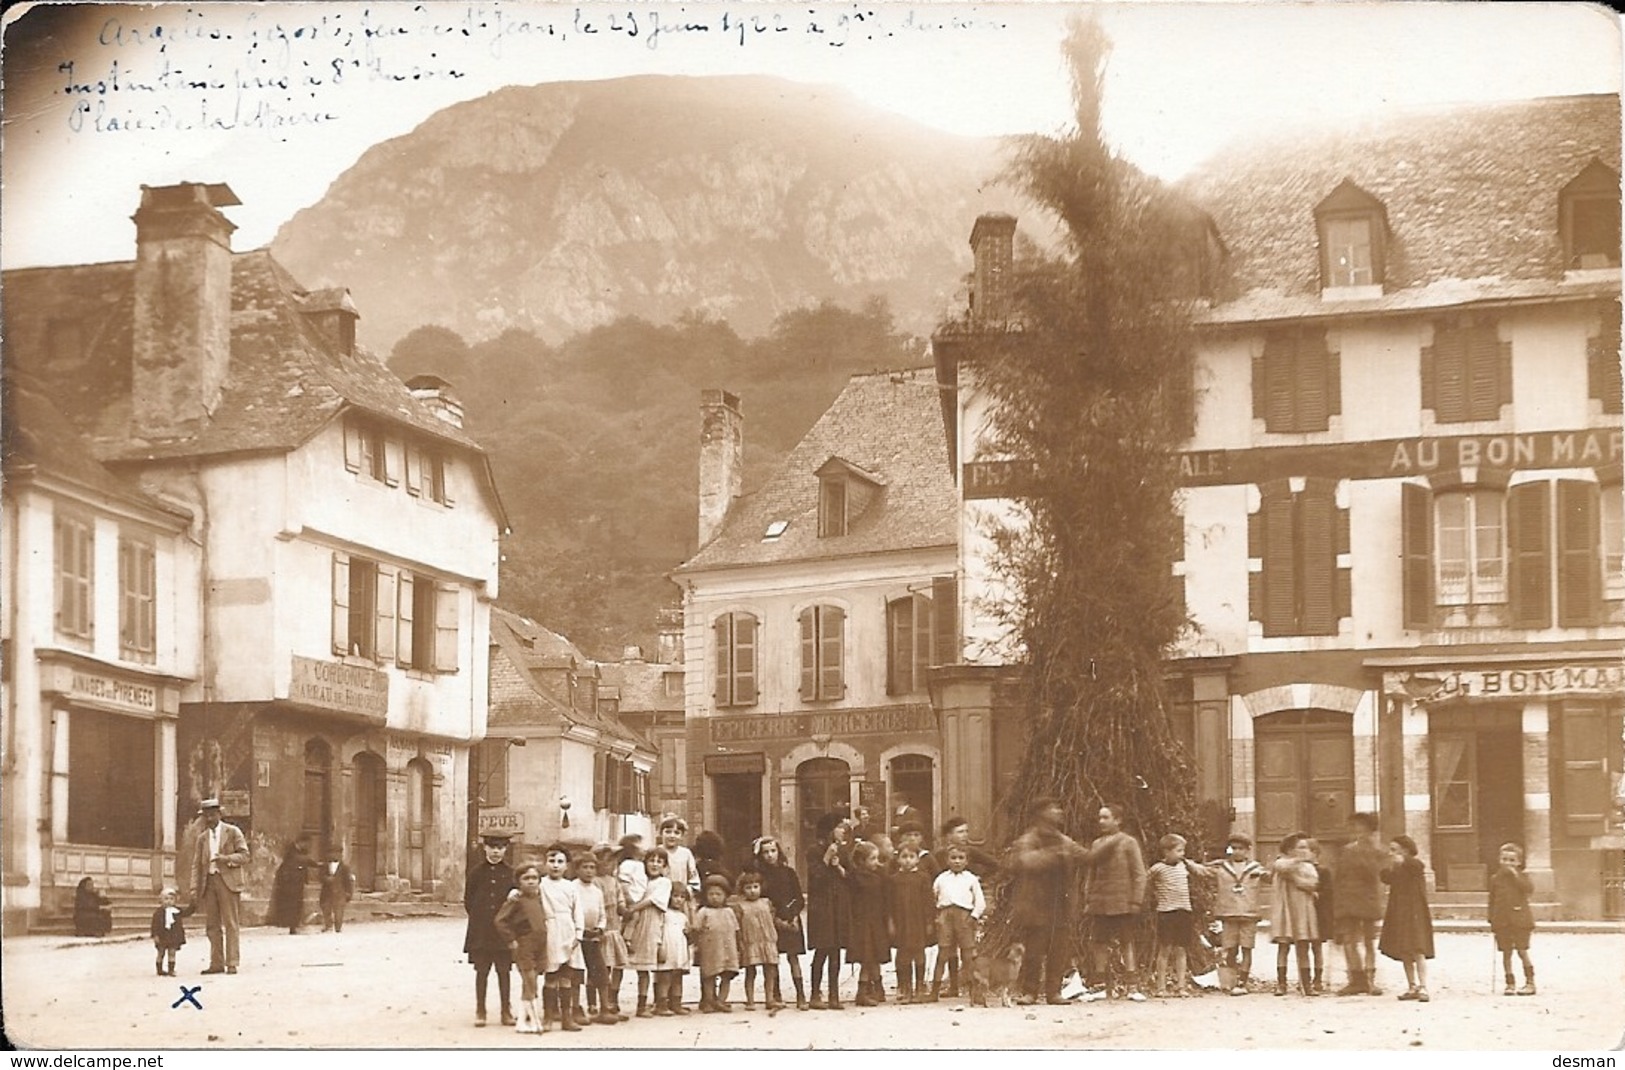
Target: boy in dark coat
(338,888)
(168,933)
(1357,904)
(488,886)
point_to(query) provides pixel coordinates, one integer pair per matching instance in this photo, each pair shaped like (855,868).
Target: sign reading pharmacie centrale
(331,685)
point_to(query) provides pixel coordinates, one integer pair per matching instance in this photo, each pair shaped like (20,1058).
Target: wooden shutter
(384,603)
(1417,548)
(923,634)
(1579,548)
(945,620)
(341,603)
(1280,595)
(414,469)
(1450,375)
(405,647)
(354,448)
(1279,361)
(1484,376)
(831,644)
(744,659)
(1585,769)
(626,787)
(722,640)
(442,478)
(809,654)
(899,645)
(1312,398)
(1334,380)
(1528,555)
(600,780)
(1603,361)
(1428,368)
(1317,561)
(445,628)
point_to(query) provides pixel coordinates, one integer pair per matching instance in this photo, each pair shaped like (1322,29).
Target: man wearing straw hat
(217,881)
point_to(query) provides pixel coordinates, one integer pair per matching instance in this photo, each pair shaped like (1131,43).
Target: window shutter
(126,608)
(445,628)
(354,449)
(1334,381)
(1486,389)
(1255,550)
(600,780)
(721,689)
(627,788)
(1579,544)
(1585,769)
(1317,545)
(1450,375)
(392,464)
(1280,597)
(341,603)
(404,646)
(832,636)
(744,658)
(1312,402)
(1603,361)
(809,655)
(414,469)
(900,644)
(384,633)
(1279,414)
(945,620)
(1528,555)
(1428,370)
(442,478)
(922,642)
(1417,548)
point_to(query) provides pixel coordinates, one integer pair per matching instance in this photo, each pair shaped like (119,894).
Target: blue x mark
(188,995)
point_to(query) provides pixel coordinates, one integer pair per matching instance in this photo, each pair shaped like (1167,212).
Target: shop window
(1353,227)
(1467,371)
(1296,382)
(1296,536)
(75,567)
(111,779)
(734,637)
(909,631)
(823,643)
(1588,219)
(138,614)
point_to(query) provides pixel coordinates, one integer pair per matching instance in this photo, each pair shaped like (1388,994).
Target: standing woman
(1407,927)
(287,906)
(829,907)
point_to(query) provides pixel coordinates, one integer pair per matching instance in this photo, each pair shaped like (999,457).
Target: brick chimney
(182,329)
(722,458)
(992,242)
(436,393)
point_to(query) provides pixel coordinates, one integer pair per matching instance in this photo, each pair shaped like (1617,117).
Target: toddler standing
(1293,922)
(1169,884)
(1407,926)
(718,936)
(1236,906)
(169,934)
(913,908)
(1510,918)
(758,941)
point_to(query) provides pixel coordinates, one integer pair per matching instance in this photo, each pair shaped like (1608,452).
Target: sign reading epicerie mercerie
(330,685)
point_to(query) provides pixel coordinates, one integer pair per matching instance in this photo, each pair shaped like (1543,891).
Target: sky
(277,100)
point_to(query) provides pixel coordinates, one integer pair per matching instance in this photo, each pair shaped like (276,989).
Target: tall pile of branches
(1095,392)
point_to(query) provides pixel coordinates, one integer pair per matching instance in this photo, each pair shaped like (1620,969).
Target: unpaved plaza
(405,984)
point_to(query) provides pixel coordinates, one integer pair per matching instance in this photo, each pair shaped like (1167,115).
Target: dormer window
(1588,219)
(844,492)
(1353,227)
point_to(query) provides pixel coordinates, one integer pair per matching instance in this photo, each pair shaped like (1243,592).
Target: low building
(647,696)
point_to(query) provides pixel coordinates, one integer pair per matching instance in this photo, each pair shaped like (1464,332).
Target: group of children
(1312,904)
(580,923)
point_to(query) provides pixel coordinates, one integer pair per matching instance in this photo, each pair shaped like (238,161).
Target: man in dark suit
(217,881)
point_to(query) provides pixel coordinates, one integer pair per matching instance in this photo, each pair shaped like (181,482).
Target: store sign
(501,823)
(235,803)
(109,691)
(330,685)
(832,724)
(1508,683)
(723,764)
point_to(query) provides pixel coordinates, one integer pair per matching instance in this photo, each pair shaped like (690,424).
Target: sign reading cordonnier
(329,685)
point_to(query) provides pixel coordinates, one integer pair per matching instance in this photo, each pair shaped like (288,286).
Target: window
(75,571)
(618,786)
(137,619)
(1611,500)
(734,636)
(493,786)
(831,507)
(1524,552)
(367,452)
(426,474)
(672,684)
(909,632)
(427,631)
(1467,371)
(112,783)
(1296,382)
(673,761)
(1587,738)
(1588,219)
(1352,225)
(1603,361)
(1298,588)
(1470,559)
(823,642)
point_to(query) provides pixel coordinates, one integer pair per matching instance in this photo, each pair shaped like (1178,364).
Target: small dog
(996,974)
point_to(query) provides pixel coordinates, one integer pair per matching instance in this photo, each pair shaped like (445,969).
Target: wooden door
(366,813)
(1304,777)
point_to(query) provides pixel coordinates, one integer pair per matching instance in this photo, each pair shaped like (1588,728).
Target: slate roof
(285,381)
(642,685)
(531,648)
(1470,191)
(888,424)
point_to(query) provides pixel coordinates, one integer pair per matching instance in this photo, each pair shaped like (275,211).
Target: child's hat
(496,839)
